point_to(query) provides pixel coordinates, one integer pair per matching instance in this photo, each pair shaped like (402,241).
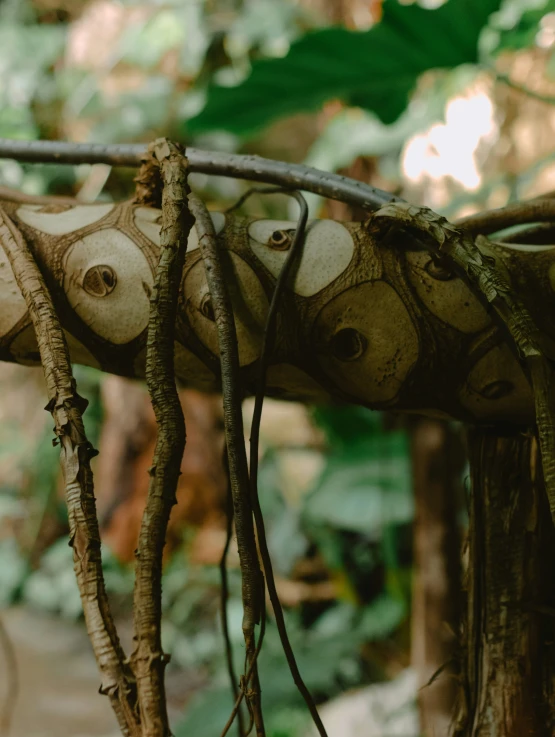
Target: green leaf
(380,618)
(375,69)
(519,23)
(365,485)
(13,571)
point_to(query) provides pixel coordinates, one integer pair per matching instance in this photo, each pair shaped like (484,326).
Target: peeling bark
(508,670)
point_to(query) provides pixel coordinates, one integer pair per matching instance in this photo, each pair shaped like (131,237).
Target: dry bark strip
(148,658)
(252,580)
(67,407)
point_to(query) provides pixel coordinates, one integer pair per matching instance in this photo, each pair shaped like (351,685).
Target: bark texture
(437,461)
(148,659)
(508,673)
(371,320)
(67,407)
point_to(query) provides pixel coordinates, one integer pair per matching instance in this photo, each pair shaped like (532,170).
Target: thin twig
(254,168)
(67,407)
(12,681)
(542,234)
(252,581)
(532,94)
(258,190)
(224,597)
(519,213)
(290,263)
(245,680)
(149,660)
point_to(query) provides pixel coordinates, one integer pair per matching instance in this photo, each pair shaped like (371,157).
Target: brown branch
(519,213)
(254,168)
(148,658)
(223,606)
(252,582)
(12,680)
(67,407)
(245,680)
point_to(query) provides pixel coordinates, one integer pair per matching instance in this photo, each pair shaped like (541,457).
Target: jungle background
(365,511)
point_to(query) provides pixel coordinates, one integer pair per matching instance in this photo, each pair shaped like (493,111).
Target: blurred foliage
(375,70)
(518,23)
(328,650)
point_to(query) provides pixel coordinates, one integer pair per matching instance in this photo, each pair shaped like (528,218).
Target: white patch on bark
(62,223)
(328,250)
(249,301)
(122,314)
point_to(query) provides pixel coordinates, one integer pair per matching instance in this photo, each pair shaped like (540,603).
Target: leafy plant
(375,69)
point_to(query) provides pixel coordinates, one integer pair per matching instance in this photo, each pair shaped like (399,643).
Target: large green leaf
(366,483)
(374,69)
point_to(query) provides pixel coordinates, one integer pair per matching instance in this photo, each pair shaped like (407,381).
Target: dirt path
(58,692)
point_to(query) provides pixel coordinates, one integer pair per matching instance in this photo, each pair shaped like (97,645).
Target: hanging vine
(136,685)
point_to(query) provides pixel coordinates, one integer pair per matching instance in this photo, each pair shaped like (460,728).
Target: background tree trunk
(437,462)
(508,672)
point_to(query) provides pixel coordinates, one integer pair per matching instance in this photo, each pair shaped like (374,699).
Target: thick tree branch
(367,318)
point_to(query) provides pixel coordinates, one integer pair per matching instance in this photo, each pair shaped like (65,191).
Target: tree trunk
(508,671)
(437,462)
